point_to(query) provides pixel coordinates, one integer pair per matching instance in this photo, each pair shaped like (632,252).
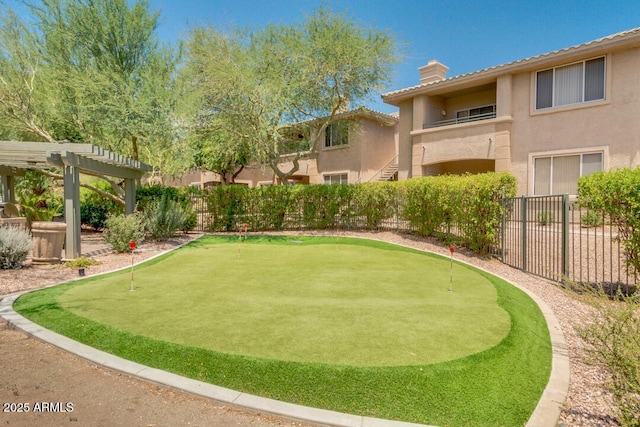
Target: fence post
(565,235)
(524,233)
(504,226)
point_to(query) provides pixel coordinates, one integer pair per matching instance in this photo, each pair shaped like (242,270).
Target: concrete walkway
(547,412)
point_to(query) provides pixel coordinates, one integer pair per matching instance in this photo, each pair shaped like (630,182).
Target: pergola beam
(73,159)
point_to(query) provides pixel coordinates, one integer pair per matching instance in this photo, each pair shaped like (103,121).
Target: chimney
(432,72)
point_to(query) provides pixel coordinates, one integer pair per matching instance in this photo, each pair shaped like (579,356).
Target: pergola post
(73,159)
(72,211)
(129,196)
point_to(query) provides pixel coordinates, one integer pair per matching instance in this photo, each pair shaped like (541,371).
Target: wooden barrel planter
(48,240)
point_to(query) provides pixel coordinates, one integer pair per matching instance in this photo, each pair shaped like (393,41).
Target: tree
(255,86)
(93,71)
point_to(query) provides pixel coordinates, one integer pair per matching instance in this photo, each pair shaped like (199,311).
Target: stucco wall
(371,146)
(610,126)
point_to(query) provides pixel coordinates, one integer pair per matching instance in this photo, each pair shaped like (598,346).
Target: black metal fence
(552,237)
(548,236)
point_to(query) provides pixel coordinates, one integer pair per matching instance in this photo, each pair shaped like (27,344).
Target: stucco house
(547,119)
(361,146)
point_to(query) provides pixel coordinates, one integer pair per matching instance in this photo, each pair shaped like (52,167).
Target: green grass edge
(498,387)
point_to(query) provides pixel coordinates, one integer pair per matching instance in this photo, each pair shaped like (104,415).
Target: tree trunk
(235,175)
(284,176)
(134,147)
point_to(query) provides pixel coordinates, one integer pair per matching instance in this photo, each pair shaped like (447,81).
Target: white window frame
(603,150)
(554,106)
(343,177)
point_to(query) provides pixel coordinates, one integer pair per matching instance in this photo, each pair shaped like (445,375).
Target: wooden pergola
(18,157)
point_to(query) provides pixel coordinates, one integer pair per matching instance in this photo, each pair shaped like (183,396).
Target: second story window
(337,134)
(571,84)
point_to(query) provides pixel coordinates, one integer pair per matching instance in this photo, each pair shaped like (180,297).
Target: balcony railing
(466,119)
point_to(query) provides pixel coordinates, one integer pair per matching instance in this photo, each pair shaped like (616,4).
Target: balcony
(475,138)
(465,116)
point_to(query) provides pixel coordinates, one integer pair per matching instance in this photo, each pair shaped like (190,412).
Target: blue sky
(464,35)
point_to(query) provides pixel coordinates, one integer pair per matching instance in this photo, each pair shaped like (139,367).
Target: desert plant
(546,218)
(164,217)
(15,245)
(591,219)
(614,339)
(121,229)
(81,262)
(39,198)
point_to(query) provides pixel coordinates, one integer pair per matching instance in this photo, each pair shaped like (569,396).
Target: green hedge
(465,210)
(617,194)
(462,209)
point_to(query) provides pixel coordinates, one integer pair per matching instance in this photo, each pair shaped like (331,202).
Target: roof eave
(626,39)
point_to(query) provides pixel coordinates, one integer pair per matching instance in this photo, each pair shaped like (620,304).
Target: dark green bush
(462,209)
(325,206)
(276,205)
(147,195)
(94,208)
(374,202)
(226,206)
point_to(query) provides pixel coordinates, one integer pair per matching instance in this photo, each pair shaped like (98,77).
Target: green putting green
(304,300)
(350,325)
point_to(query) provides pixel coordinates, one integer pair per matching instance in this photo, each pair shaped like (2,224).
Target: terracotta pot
(48,240)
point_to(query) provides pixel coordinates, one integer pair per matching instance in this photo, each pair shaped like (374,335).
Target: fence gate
(535,235)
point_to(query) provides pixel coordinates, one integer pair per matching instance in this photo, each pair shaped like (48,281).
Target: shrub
(614,338)
(148,195)
(226,205)
(81,262)
(616,194)
(275,203)
(375,201)
(164,217)
(590,219)
(40,199)
(546,218)
(325,206)
(15,245)
(121,229)
(463,208)
(95,208)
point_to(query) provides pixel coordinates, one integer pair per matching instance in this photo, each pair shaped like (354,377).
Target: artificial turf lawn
(392,344)
(344,303)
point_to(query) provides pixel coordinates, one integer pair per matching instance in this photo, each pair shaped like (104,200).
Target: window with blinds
(340,178)
(559,174)
(571,84)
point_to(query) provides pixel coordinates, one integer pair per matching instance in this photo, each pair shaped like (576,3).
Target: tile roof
(632,34)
